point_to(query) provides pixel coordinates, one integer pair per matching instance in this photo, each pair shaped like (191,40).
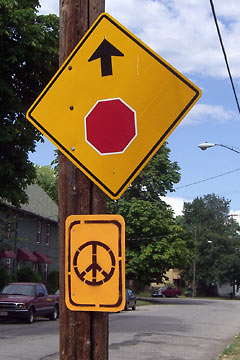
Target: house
(29,234)
(174,277)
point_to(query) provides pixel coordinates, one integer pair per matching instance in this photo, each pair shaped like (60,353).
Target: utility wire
(210,178)
(224,53)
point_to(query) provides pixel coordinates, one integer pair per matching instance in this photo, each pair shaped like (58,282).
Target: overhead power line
(224,53)
(210,178)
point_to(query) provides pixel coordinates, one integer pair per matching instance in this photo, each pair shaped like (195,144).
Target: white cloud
(182,32)
(176,203)
(206,112)
(48,7)
(236,215)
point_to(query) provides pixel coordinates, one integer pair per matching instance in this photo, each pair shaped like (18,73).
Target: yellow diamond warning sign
(112,104)
(95,266)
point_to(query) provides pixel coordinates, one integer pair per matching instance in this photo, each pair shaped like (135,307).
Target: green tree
(53,282)
(208,222)
(157,178)
(28,57)
(5,278)
(47,178)
(228,265)
(27,274)
(154,243)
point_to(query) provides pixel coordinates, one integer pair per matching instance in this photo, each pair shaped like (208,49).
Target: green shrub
(53,282)
(5,278)
(27,274)
(169,284)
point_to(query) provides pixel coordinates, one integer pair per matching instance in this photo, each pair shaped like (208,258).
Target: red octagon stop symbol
(110,126)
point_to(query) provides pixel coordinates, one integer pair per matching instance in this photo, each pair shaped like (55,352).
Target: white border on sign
(135,121)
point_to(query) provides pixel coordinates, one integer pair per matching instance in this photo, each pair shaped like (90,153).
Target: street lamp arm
(229,147)
(206,145)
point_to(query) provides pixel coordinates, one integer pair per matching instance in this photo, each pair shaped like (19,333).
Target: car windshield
(19,289)
(160,288)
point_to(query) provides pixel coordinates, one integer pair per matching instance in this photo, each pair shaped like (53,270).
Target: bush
(27,274)
(169,284)
(53,282)
(4,278)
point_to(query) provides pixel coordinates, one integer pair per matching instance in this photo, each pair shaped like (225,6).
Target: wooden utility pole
(83,335)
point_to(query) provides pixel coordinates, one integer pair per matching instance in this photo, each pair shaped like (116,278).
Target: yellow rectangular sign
(95,263)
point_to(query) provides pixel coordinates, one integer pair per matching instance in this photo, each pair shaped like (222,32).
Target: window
(48,234)
(9,230)
(39,289)
(39,232)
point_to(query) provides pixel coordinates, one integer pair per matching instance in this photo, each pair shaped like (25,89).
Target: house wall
(26,236)
(173,277)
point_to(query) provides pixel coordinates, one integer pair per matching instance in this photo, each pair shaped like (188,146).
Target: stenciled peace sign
(94,267)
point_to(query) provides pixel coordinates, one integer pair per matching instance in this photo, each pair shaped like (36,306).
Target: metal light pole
(206,145)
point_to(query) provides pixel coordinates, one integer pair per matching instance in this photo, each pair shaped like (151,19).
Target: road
(177,329)
(173,330)
(19,341)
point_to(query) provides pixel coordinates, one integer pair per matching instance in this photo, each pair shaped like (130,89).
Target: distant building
(174,277)
(29,234)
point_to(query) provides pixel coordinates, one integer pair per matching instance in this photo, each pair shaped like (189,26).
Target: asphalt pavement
(174,329)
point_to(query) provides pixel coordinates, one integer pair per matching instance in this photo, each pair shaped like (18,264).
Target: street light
(206,145)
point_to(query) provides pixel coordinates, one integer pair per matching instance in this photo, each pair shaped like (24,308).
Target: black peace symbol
(94,267)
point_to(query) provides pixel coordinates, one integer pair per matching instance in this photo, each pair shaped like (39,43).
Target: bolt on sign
(112,104)
(95,263)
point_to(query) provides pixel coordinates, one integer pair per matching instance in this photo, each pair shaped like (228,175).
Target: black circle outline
(94,266)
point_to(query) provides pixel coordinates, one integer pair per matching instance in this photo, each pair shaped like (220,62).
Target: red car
(27,300)
(167,291)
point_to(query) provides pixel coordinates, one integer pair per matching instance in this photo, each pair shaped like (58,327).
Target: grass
(232,352)
(143,302)
(144,293)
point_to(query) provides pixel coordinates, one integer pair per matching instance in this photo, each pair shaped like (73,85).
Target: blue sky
(183,32)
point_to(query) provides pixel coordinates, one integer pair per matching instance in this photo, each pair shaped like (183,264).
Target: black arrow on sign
(105,51)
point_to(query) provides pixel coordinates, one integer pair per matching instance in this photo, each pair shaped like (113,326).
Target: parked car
(166,291)
(27,300)
(130,300)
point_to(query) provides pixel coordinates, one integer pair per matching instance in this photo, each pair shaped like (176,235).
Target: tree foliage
(28,57)
(156,179)
(209,211)
(154,243)
(216,236)
(47,179)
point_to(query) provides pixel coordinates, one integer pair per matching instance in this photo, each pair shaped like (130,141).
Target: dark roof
(40,203)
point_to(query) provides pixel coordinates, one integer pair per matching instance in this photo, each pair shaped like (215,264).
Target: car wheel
(54,314)
(163,295)
(176,295)
(134,307)
(30,316)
